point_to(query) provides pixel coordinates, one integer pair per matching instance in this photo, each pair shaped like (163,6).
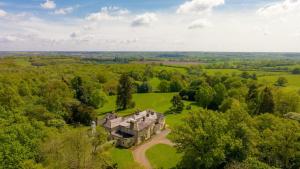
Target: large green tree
(177,103)
(266,101)
(204,96)
(211,140)
(124,95)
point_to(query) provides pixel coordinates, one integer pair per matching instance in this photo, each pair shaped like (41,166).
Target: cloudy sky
(150,25)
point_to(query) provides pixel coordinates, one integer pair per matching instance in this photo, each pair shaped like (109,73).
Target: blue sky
(149,25)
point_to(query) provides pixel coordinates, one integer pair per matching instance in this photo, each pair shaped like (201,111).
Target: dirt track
(139,152)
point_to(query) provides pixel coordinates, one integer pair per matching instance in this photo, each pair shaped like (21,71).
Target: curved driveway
(139,152)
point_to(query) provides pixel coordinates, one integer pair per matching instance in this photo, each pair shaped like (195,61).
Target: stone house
(134,129)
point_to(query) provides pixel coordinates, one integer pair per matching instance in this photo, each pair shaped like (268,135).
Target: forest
(225,111)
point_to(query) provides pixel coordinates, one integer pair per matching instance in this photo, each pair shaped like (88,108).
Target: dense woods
(232,120)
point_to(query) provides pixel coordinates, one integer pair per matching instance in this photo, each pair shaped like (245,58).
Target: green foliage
(19,139)
(164,86)
(175,86)
(280,141)
(145,87)
(204,96)
(286,102)
(210,140)
(9,97)
(177,104)
(124,96)
(281,81)
(77,149)
(296,71)
(219,96)
(266,101)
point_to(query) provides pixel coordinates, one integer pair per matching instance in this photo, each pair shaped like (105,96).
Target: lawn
(163,156)
(160,102)
(123,157)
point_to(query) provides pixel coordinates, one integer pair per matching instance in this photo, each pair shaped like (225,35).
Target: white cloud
(48,4)
(64,11)
(144,20)
(278,8)
(2,13)
(73,35)
(108,13)
(199,6)
(200,23)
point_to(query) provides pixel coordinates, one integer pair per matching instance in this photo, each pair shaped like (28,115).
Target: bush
(58,123)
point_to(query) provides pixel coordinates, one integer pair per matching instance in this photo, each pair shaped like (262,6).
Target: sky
(150,25)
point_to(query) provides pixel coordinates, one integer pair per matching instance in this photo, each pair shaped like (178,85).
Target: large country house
(134,129)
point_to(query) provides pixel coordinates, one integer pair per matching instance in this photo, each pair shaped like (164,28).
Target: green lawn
(163,156)
(123,157)
(160,102)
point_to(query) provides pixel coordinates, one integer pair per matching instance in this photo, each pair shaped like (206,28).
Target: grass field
(123,157)
(293,80)
(163,156)
(157,101)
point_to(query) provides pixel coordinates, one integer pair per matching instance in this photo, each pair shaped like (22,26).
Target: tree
(77,149)
(209,139)
(175,86)
(145,87)
(177,103)
(296,71)
(87,93)
(10,98)
(19,139)
(204,95)
(266,101)
(286,102)
(219,96)
(279,145)
(281,81)
(252,98)
(164,86)
(77,85)
(124,95)
(102,78)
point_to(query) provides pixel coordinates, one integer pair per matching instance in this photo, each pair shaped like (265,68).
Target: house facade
(134,129)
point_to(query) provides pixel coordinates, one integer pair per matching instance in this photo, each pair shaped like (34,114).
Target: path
(139,152)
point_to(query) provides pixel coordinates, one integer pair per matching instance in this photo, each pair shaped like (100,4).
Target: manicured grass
(123,157)
(160,102)
(163,156)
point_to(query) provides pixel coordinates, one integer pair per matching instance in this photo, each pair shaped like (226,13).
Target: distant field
(163,156)
(168,62)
